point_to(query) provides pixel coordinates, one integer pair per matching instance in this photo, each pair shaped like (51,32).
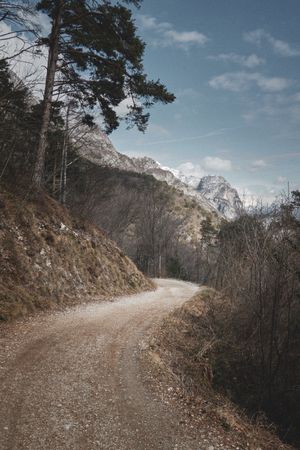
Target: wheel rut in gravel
(72,380)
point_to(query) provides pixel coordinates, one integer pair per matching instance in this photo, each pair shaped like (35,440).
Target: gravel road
(72,380)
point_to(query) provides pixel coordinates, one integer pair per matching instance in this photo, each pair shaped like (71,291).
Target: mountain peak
(221,194)
(213,179)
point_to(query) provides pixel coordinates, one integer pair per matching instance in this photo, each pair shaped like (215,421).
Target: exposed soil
(71,380)
(50,259)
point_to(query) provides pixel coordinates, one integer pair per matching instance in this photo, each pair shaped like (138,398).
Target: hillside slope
(48,258)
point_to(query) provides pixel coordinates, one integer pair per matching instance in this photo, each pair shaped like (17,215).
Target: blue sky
(234,67)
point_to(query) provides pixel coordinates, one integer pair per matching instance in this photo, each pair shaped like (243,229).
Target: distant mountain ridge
(214,193)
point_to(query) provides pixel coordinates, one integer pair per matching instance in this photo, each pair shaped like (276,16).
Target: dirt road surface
(72,380)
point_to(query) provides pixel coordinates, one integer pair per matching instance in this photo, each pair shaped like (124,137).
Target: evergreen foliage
(100,59)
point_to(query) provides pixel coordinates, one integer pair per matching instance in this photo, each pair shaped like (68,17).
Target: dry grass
(181,351)
(49,258)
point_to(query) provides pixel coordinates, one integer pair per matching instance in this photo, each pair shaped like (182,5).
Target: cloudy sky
(234,67)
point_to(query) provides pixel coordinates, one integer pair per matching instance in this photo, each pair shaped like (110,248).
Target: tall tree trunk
(63,172)
(64,160)
(48,93)
(54,175)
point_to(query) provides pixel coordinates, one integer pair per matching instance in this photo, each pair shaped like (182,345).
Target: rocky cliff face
(221,194)
(212,193)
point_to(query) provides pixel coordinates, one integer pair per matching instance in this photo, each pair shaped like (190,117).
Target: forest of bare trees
(255,264)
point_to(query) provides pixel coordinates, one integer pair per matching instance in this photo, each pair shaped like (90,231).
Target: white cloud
(271,84)
(243,81)
(151,23)
(258,164)
(168,36)
(185,37)
(123,108)
(191,170)
(191,173)
(250,61)
(278,46)
(217,164)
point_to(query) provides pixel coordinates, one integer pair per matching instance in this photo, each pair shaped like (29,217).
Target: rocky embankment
(50,258)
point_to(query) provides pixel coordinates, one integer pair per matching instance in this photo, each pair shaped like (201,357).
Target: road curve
(72,380)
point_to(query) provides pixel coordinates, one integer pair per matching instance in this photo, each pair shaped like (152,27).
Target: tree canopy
(100,59)
(96,57)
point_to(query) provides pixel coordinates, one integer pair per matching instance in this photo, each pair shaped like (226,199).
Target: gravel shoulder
(72,380)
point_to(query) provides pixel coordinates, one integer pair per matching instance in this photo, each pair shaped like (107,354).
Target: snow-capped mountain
(221,194)
(212,192)
(189,180)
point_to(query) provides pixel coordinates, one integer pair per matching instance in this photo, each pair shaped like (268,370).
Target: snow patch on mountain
(213,193)
(221,194)
(189,180)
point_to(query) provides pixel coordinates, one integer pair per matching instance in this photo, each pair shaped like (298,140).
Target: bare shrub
(257,266)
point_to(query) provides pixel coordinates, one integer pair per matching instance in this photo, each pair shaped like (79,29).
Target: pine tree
(95,56)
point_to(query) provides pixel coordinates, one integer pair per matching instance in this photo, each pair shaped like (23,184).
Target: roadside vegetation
(187,352)
(241,337)
(257,267)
